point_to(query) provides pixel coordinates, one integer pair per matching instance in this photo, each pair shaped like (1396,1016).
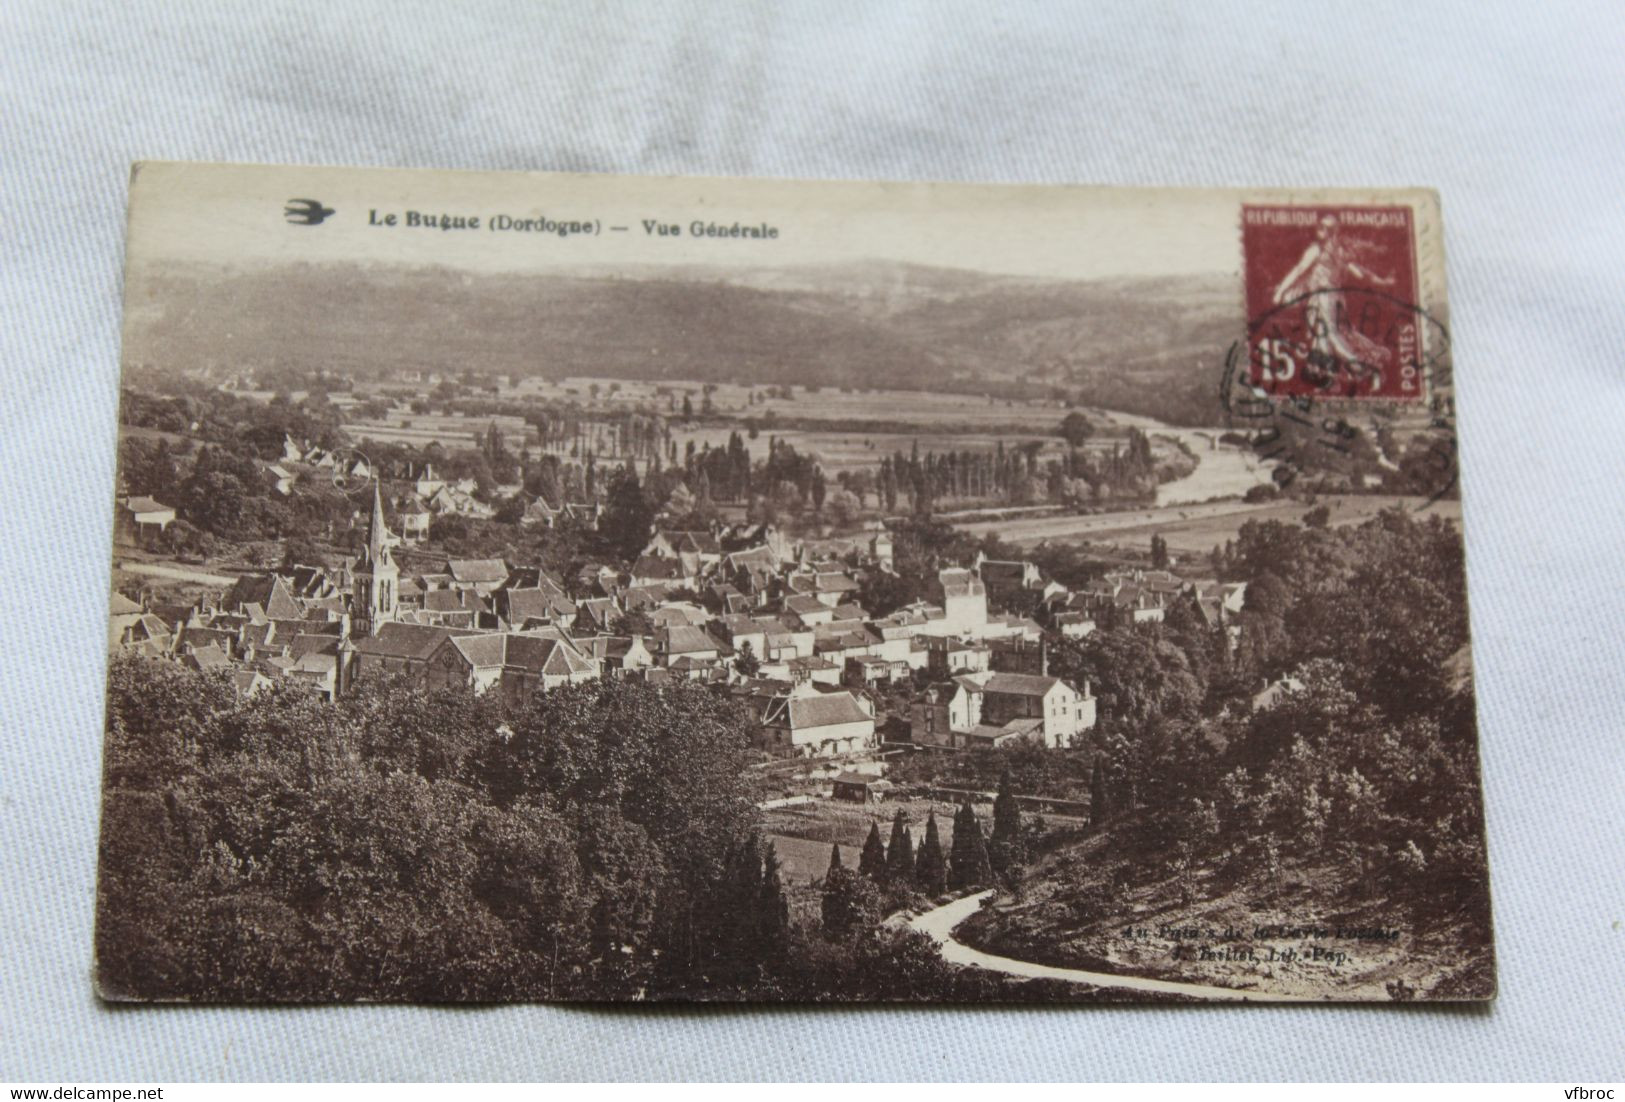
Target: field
(849,451)
(1195,529)
(421,429)
(826,403)
(802,835)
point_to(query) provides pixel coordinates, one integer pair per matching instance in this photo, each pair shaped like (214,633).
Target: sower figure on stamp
(1321,275)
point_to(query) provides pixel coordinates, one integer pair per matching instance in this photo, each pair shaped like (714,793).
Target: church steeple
(377,577)
(377,530)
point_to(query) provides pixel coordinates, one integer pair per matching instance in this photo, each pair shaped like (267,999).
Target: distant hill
(1149,346)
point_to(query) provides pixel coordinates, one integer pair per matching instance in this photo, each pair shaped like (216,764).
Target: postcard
(569,587)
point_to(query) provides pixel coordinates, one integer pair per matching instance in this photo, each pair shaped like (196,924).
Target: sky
(236,215)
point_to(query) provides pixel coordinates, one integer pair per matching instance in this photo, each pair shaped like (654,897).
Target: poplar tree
(900,853)
(1097,794)
(872,861)
(931,867)
(772,911)
(967,861)
(1007,849)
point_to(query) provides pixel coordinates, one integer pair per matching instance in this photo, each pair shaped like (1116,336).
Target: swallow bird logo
(306,212)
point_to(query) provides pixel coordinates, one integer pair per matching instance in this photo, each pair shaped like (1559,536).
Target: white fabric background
(1516,111)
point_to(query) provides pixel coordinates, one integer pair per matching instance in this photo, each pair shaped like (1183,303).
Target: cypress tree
(739,899)
(931,867)
(772,911)
(900,853)
(967,863)
(872,861)
(1007,850)
(1097,794)
(834,861)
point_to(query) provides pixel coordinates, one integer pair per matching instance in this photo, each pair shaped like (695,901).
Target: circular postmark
(1347,385)
(352,470)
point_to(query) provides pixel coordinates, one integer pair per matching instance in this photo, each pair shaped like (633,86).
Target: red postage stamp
(1331,302)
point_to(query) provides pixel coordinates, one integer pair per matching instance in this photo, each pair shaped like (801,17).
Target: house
(1017,654)
(740,632)
(481,575)
(516,664)
(131,628)
(618,655)
(584,514)
(942,712)
(1274,691)
(831,587)
(1005,578)
(320,664)
(207,658)
(428,483)
(654,570)
(1064,712)
(880,549)
(946,656)
(991,709)
(672,643)
(1073,625)
(248,683)
(540,514)
(871,671)
(807,722)
(699,551)
(809,609)
(526,608)
(280,478)
(414,517)
(399,650)
(859,787)
(810,669)
(963,599)
(597,614)
(141,517)
(265,596)
(456,608)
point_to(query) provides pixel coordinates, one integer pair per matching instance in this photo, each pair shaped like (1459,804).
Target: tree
(747,664)
(1076,429)
(1097,793)
(688,408)
(900,853)
(851,902)
(628,517)
(930,866)
(968,865)
(1159,553)
(872,861)
(1007,849)
(772,911)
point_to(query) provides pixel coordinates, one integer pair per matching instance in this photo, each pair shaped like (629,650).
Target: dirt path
(940,924)
(175,573)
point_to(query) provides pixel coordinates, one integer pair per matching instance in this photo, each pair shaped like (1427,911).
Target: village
(776,623)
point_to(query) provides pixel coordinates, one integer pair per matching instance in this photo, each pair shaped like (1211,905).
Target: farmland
(1195,529)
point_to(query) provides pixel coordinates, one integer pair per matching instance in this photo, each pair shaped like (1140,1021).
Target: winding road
(939,924)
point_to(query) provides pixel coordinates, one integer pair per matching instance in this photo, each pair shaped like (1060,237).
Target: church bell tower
(377,578)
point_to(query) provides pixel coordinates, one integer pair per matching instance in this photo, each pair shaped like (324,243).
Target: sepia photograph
(535,587)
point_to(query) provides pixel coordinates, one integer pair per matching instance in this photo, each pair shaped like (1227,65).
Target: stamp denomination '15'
(1331,294)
